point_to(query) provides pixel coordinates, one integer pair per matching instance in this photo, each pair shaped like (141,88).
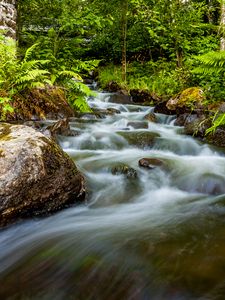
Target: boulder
(36,176)
(120,99)
(151,117)
(142,139)
(143,96)
(8,17)
(122,169)
(194,124)
(161,108)
(217,138)
(113,111)
(138,125)
(113,86)
(150,163)
(61,127)
(187,101)
(40,104)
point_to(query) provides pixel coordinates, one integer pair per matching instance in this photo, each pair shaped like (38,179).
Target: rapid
(157,235)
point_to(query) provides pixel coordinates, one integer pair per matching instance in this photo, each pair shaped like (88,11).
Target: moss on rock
(39,104)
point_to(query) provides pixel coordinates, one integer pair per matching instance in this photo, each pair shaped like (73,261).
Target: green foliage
(211,63)
(218,120)
(162,77)
(162,37)
(15,75)
(208,72)
(77,92)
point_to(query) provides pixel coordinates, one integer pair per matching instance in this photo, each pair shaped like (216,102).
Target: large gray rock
(8,15)
(36,176)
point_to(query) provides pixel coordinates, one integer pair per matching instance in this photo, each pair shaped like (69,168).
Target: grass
(163,79)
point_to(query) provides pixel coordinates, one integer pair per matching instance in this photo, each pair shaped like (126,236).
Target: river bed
(160,235)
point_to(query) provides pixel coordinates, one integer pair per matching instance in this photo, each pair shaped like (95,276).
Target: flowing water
(157,235)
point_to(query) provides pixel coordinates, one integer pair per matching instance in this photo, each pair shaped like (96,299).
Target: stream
(157,235)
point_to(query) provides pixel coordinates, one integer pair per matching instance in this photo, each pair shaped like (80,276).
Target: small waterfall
(153,236)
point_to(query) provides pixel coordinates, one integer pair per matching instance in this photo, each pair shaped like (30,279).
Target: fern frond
(213,58)
(81,104)
(37,84)
(211,63)
(30,51)
(32,64)
(206,70)
(70,74)
(30,76)
(218,120)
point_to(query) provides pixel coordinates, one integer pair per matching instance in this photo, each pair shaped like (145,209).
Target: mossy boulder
(40,104)
(123,169)
(36,176)
(141,139)
(188,100)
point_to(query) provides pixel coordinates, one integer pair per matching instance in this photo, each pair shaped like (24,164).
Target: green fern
(65,74)
(211,63)
(81,105)
(29,51)
(218,120)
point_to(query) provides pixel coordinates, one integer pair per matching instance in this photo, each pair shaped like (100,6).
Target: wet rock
(144,96)
(82,122)
(138,125)
(161,108)
(113,110)
(151,117)
(87,81)
(217,138)
(140,139)
(150,163)
(120,98)
(194,124)
(36,176)
(113,86)
(61,127)
(123,169)
(102,113)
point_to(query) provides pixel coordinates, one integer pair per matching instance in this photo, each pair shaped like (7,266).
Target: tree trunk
(8,17)
(179,56)
(222,26)
(124,39)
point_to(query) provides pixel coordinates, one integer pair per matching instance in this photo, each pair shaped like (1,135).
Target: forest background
(163,46)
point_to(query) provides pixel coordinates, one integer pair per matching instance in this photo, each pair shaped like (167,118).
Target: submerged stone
(151,117)
(123,169)
(140,139)
(36,176)
(138,125)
